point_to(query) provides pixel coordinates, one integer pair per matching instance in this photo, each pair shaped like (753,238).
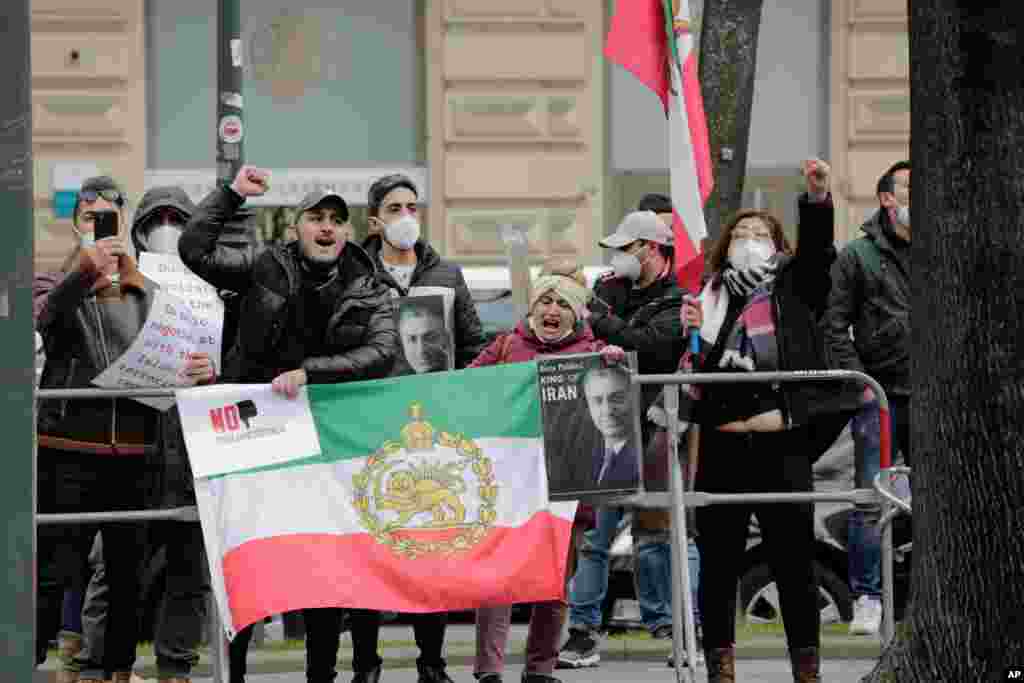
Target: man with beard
(313,312)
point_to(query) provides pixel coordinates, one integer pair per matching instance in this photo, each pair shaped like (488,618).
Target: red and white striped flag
(645,36)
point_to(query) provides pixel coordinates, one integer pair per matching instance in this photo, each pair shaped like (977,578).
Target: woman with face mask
(759,312)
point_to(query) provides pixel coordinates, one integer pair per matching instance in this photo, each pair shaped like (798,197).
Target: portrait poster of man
(590,412)
(424,337)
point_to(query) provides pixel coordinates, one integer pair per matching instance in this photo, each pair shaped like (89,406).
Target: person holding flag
(761,311)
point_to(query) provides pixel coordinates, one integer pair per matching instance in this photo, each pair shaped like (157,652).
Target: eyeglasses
(112,196)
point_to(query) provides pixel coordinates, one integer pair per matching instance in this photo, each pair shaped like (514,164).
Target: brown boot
(127,677)
(721,663)
(175,680)
(806,663)
(69,644)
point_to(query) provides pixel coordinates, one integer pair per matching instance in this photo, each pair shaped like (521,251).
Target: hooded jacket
(169,197)
(871,292)
(359,340)
(435,272)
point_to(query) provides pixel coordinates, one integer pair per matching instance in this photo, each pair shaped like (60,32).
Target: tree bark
(967,94)
(728,61)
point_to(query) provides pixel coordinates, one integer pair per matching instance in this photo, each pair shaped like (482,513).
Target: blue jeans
(652,574)
(652,577)
(865,542)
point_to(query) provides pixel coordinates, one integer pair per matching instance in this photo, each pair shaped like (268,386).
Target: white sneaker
(867,616)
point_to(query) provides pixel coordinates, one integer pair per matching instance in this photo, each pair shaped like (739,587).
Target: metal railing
(676,499)
(188,515)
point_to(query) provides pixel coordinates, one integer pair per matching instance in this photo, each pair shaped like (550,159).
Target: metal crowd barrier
(218,646)
(676,499)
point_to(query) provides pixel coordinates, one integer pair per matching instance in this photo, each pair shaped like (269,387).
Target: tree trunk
(967,94)
(728,60)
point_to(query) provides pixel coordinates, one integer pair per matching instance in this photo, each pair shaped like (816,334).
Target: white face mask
(86,239)
(403,233)
(903,215)
(163,239)
(627,266)
(746,253)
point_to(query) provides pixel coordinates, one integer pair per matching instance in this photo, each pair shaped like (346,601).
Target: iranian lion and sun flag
(423,493)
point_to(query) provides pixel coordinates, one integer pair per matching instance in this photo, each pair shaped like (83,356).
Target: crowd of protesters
(317,309)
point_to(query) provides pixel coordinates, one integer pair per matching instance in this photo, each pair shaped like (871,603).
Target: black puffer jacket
(433,271)
(642,320)
(359,337)
(871,293)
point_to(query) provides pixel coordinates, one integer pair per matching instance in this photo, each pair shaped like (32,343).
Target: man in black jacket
(313,312)
(180,613)
(409,267)
(871,293)
(92,455)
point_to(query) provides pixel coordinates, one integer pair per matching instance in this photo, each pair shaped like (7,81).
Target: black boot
(529,677)
(371,676)
(433,674)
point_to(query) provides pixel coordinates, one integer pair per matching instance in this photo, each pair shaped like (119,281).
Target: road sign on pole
(230,121)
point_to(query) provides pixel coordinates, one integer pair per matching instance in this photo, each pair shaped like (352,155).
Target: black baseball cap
(318,197)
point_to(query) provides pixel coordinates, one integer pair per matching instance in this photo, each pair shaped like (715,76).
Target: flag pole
(682,619)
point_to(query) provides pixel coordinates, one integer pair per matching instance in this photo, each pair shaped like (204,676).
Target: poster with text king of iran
(591,415)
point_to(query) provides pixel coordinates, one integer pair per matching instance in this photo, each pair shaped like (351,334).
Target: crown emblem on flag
(423,482)
(417,435)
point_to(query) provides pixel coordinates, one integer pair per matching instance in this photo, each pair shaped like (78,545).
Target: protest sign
(591,428)
(174,276)
(157,356)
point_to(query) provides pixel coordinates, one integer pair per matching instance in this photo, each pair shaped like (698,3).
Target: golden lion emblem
(418,490)
(400,491)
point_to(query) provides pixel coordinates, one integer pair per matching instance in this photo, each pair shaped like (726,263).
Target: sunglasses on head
(110,195)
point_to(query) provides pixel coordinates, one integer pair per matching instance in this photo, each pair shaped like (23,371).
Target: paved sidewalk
(762,658)
(747,670)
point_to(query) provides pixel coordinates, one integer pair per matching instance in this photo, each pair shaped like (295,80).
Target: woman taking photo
(759,312)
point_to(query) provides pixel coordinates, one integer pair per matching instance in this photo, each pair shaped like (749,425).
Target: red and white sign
(230,129)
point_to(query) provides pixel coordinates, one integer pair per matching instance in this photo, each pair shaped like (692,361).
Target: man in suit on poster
(615,463)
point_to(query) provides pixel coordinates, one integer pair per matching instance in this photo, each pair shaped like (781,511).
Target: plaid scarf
(751,344)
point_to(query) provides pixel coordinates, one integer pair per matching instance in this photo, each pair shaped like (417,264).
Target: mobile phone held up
(106,224)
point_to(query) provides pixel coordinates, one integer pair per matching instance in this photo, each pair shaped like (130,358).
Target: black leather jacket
(83,336)
(360,340)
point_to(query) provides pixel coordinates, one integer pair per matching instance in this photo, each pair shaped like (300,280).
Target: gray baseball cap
(318,197)
(638,225)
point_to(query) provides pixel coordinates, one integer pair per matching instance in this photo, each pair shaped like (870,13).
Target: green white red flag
(653,40)
(425,493)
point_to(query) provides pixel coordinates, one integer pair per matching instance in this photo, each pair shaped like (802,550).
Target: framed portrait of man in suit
(591,416)
(424,335)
